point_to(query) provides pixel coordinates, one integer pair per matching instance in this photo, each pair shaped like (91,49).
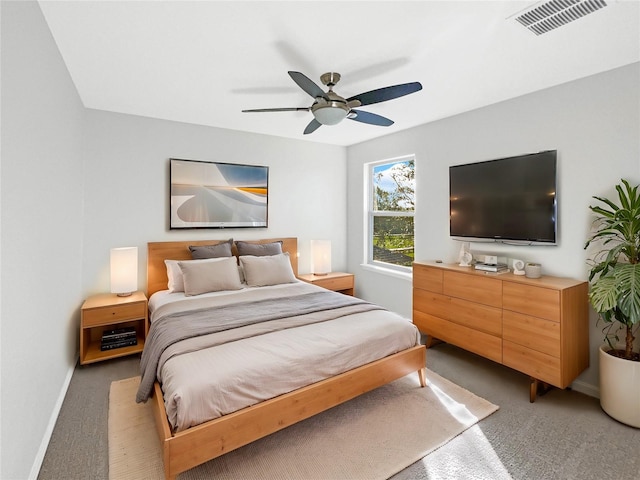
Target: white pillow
(211,275)
(174,276)
(268,270)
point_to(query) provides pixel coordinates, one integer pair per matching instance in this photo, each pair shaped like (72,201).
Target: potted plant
(615,295)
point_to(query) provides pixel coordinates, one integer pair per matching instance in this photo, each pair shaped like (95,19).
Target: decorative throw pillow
(218,250)
(267,270)
(259,249)
(210,275)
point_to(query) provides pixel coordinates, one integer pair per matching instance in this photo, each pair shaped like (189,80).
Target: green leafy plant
(615,272)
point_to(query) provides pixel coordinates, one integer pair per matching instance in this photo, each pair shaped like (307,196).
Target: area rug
(370,437)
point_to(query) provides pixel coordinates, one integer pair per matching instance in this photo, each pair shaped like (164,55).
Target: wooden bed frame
(199,444)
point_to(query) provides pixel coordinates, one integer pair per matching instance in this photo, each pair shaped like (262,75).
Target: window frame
(370,214)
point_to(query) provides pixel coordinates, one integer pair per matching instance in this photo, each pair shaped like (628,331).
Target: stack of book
(492,267)
(118,338)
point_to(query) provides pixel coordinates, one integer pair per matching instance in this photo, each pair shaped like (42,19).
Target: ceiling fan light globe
(330,114)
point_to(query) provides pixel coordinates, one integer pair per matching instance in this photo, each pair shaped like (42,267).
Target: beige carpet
(370,437)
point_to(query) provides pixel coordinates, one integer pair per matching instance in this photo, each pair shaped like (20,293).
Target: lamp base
(320,274)
(125,294)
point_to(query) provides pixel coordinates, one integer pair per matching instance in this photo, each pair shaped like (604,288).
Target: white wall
(42,176)
(127,188)
(592,122)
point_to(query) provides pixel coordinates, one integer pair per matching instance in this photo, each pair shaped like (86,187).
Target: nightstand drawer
(336,283)
(119,313)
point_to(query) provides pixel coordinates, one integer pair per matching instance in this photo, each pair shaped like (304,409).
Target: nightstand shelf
(107,312)
(336,281)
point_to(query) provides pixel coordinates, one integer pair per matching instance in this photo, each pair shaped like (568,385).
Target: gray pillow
(259,249)
(211,251)
(267,270)
(210,275)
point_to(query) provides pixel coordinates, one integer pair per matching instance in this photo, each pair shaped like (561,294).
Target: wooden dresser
(536,326)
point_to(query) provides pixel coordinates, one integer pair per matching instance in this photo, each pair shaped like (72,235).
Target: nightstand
(105,312)
(336,281)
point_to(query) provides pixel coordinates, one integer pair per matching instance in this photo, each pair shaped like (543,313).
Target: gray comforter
(177,326)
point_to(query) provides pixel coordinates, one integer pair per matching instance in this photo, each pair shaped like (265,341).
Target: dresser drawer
(427,278)
(432,303)
(488,346)
(536,364)
(117,313)
(476,316)
(475,288)
(532,332)
(530,300)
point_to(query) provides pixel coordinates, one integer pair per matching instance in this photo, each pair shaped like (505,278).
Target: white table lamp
(320,257)
(124,270)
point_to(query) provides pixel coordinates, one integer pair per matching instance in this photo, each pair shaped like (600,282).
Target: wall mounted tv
(509,200)
(217,195)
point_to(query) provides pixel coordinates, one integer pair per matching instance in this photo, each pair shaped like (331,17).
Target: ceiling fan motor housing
(331,111)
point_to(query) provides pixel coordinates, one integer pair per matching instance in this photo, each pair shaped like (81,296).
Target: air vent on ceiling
(556,13)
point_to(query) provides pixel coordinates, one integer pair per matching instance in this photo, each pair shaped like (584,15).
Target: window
(390,206)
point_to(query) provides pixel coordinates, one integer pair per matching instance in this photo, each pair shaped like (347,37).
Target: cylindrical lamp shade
(320,257)
(124,270)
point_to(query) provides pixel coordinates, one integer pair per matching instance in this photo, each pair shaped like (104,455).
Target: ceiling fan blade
(370,118)
(294,109)
(312,127)
(308,85)
(386,93)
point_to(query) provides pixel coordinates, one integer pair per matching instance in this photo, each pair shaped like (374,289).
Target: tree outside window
(391,212)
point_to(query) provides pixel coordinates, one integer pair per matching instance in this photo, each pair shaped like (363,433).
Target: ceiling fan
(329,108)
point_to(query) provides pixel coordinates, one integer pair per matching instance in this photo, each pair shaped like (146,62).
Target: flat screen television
(217,194)
(509,200)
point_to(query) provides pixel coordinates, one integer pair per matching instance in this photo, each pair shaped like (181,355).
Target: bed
(299,393)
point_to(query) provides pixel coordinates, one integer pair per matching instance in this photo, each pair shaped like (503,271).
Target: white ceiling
(203,62)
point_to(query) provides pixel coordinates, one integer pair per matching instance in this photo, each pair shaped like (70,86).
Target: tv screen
(217,195)
(508,200)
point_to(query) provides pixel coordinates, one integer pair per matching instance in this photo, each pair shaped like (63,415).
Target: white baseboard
(37,463)
(586,388)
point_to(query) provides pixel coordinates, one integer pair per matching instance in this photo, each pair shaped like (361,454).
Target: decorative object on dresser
(533,270)
(124,270)
(538,327)
(465,258)
(614,295)
(336,281)
(518,267)
(112,326)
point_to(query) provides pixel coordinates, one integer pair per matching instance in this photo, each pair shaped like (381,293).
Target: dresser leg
(533,389)
(536,387)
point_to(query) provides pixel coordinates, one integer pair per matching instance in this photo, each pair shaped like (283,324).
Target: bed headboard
(158,252)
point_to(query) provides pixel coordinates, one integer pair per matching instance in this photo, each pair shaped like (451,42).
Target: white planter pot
(620,388)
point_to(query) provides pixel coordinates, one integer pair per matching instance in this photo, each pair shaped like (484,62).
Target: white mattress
(254,363)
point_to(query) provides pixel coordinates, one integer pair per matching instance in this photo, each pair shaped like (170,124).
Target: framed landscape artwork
(217,195)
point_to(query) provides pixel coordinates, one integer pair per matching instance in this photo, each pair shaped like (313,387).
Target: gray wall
(41,239)
(592,122)
(127,188)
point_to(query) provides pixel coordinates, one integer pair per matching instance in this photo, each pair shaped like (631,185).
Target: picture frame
(217,195)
